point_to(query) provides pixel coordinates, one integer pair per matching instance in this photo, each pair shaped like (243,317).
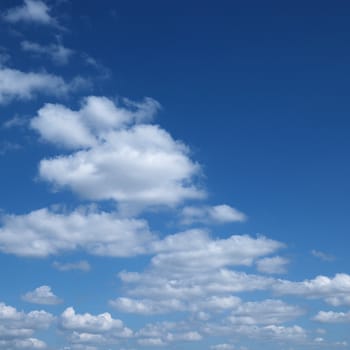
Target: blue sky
(174,175)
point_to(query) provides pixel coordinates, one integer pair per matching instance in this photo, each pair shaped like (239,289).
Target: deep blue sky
(258,90)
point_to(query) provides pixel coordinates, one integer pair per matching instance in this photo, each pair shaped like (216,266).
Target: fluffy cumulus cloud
(88,329)
(335,291)
(58,53)
(218,214)
(42,295)
(116,154)
(17,328)
(15,84)
(44,232)
(35,11)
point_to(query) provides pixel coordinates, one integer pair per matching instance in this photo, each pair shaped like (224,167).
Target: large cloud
(115,154)
(43,232)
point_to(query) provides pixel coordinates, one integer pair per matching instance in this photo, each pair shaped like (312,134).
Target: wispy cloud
(58,53)
(323,256)
(82,265)
(16,84)
(218,214)
(35,11)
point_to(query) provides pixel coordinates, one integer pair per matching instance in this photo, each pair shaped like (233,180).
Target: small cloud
(31,11)
(222,347)
(218,214)
(322,256)
(42,295)
(80,265)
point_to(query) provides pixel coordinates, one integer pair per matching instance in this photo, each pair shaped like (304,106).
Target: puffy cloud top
(116,154)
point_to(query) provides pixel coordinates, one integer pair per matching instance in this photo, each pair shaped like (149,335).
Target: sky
(174,175)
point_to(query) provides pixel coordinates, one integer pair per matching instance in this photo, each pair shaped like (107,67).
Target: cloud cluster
(190,272)
(332,317)
(165,333)
(17,328)
(335,291)
(87,329)
(111,150)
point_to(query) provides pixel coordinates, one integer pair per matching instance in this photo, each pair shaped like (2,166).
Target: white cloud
(31,11)
(193,290)
(42,295)
(335,291)
(273,332)
(194,250)
(162,306)
(164,333)
(189,272)
(114,156)
(333,317)
(56,52)
(92,329)
(147,306)
(15,84)
(27,343)
(264,312)
(69,320)
(151,342)
(267,333)
(223,346)
(17,328)
(219,214)
(43,232)
(272,265)
(82,265)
